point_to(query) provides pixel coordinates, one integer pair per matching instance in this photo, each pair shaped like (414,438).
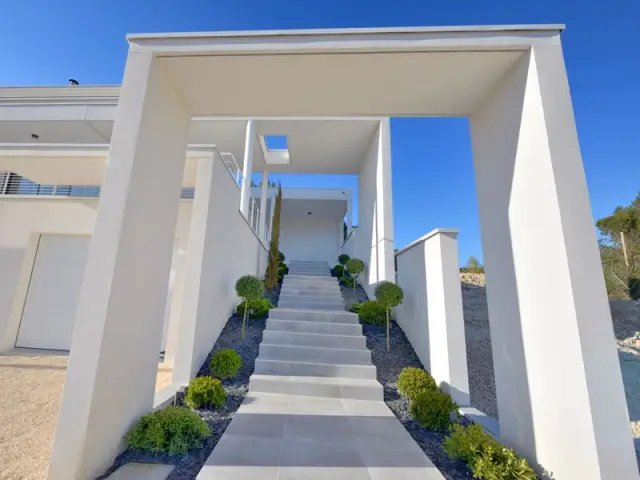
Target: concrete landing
(142,471)
(291,437)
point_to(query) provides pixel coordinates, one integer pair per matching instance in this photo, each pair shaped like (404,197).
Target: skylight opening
(276,142)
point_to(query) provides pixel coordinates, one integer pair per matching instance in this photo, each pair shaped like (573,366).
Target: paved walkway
(315,409)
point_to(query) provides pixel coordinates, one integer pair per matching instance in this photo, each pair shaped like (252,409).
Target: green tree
(271,274)
(473,265)
(389,295)
(249,287)
(620,250)
(355,266)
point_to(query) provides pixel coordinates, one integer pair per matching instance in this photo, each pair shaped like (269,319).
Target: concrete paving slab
(142,471)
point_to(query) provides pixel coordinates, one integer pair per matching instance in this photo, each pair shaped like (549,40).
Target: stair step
(325,328)
(308,263)
(313,369)
(309,305)
(303,315)
(309,278)
(334,356)
(315,340)
(339,387)
(332,291)
(328,299)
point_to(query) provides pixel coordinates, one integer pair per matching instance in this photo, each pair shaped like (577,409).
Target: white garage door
(311,240)
(50,309)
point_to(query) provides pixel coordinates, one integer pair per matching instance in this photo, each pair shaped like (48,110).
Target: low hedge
(205,392)
(412,381)
(172,430)
(485,457)
(225,364)
(258,308)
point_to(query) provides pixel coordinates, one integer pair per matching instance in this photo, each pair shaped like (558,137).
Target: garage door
(50,308)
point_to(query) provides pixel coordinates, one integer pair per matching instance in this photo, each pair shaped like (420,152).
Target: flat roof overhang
(426,71)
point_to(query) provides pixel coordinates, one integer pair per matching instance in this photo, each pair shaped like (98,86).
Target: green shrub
(249,287)
(389,295)
(373,313)
(355,307)
(173,430)
(342,259)
(282,257)
(205,392)
(338,271)
(258,308)
(432,409)
(412,381)
(225,364)
(485,457)
(348,281)
(282,271)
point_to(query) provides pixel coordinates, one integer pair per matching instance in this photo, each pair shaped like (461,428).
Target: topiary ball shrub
(412,381)
(172,430)
(282,257)
(225,364)
(432,409)
(337,271)
(205,392)
(249,287)
(389,294)
(342,259)
(355,266)
(258,308)
(282,271)
(485,457)
(373,313)
(348,281)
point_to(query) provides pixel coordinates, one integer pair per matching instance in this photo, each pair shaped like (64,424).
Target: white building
(94,274)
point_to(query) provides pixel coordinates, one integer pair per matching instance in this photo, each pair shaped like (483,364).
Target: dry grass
(30,393)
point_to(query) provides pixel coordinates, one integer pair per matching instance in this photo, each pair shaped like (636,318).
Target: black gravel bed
(188,466)
(388,367)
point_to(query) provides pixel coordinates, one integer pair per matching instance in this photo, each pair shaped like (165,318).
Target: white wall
(310,239)
(374,241)
(22,219)
(224,248)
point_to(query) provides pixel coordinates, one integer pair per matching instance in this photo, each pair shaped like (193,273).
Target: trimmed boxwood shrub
(282,271)
(225,364)
(412,381)
(485,457)
(342,259)
(172,430)
(355,307)
(432,409)
(258,308)
(373,313)
(337,271)
(348,281)
(205,392)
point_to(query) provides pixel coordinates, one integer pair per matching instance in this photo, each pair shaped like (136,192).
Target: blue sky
(45,42)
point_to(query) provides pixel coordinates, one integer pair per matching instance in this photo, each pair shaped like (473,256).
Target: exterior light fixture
(35,136)
(73,82)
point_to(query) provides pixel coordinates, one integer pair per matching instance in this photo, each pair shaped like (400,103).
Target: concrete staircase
(311,346)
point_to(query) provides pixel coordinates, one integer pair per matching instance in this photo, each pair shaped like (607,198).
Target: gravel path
(32,382)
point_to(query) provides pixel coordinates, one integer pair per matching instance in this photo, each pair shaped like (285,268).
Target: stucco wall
(21,219)
(310,239)
(374,241)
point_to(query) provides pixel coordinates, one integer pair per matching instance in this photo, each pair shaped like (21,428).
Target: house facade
(150,263)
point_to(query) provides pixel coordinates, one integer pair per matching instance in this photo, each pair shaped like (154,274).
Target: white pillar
(384,210)
(349,216)
(560,394)
(199,273)
(264,193)
(245,195)
(112,368)
(447,347)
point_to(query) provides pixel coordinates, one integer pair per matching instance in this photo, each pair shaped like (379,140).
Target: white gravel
(626,326)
